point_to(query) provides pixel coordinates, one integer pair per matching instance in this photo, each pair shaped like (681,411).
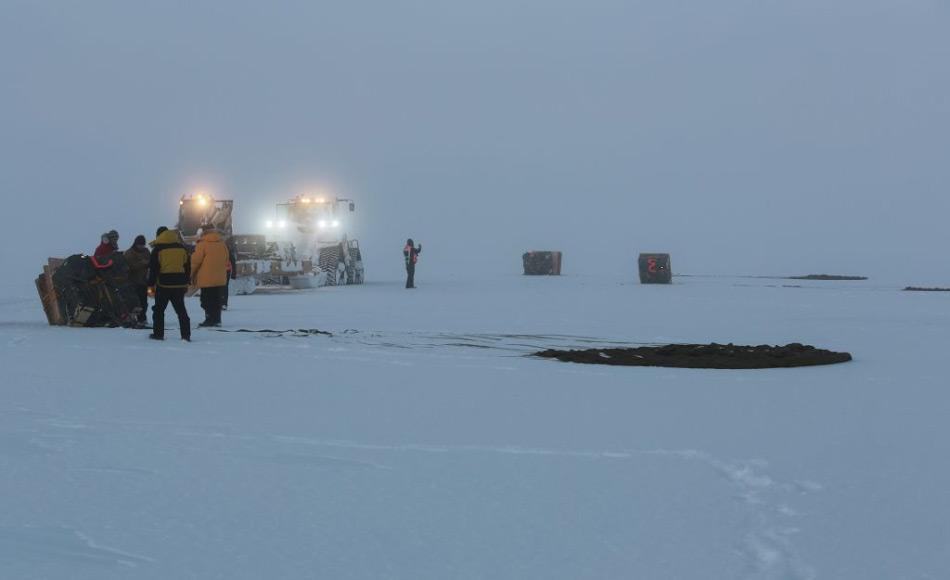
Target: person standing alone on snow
(209,271)
(169,270)
(411,253)
(137,257)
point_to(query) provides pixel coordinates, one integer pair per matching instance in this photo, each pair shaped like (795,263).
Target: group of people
(170,268)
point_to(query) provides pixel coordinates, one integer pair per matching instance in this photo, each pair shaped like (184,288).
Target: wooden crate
(48,297)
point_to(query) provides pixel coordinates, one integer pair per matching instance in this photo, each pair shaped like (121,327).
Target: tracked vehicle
(307,243)
(199,209)
(254,258)
(311,237)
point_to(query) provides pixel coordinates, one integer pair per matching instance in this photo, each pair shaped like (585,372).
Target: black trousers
(177,297)
(141,290)
(410,275)
(211,303)
(225,291)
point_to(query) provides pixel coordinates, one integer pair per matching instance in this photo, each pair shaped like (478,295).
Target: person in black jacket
(169,271)
(138,258)
(411,253)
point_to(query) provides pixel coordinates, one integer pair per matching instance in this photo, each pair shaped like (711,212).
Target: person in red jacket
(109,244)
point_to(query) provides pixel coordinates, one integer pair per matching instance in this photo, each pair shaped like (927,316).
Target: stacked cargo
(87,291)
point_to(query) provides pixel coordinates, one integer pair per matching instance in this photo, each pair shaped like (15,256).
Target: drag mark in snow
(514,343)
(321,461)
(138,471)
(43,544)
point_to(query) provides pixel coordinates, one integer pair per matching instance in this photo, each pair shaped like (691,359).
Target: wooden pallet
(48,296)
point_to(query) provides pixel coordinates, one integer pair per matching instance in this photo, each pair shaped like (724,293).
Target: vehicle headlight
(269,224)
(336,223)
(322,224)
(282,224)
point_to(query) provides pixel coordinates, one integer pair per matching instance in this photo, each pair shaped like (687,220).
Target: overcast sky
(756,136)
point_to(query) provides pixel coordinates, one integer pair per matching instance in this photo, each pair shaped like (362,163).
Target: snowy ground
(419,442)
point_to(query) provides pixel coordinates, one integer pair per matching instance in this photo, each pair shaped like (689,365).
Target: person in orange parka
(209,271)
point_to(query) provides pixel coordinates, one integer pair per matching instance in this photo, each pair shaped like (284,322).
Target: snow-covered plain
(420,442)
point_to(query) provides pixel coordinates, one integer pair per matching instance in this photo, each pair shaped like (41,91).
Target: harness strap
(98,266)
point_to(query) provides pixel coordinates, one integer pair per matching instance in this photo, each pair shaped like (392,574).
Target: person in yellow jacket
(169,270)
(209,271)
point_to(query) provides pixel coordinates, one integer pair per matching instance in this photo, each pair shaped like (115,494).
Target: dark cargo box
(655,269)
(542,263)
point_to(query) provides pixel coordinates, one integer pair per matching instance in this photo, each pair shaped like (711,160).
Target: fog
(753,137)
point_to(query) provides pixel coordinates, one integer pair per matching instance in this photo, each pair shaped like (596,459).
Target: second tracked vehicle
(312,237)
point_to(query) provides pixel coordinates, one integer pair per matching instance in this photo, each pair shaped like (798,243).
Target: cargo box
(655,268)
(542,263)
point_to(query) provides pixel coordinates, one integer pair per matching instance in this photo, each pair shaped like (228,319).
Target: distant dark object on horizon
(921,289)
(703,356)
(540,263)
(655,268)
(826,277)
